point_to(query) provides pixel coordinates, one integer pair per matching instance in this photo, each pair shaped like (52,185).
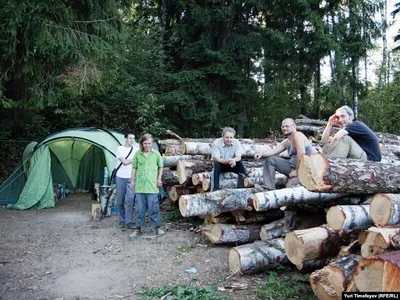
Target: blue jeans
(125,199)
(221,168)
(151,201)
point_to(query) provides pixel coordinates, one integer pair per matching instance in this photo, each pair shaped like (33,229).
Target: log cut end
(322,285)
(182,148)
(311,172)
(368,274)
(294,248)
(390,280)
(374,244)
(256,200)
(380,209)
(212,237)
(173,193)
(183,203)
(234,261)
(335,217)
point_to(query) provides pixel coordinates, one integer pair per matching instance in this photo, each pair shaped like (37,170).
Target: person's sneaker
(121,224)
(159,231)
(130,226)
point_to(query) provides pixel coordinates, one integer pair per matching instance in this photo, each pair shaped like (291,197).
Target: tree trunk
(385,209)
(223,184)
(343,217)
(378,273)
(257,256)
(272,230)
(315,244)
(172,161)
(177,190)
(347,176)
(173,150)
(170,177)
(162,144)
(215,202)
(197,178)
(379,240)
(329,282)
(289,197)
(249,149)
(187,168)
(236,234)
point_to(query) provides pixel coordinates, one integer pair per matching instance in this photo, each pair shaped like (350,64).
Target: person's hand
(159,183)
(132,185)
(257,156)
(333,120)
(293,174)
(232,163)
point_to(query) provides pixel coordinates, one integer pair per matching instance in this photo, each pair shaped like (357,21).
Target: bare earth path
(60,254)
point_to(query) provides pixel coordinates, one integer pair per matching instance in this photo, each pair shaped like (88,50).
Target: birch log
(347,176)
(257,256)
(289,197)
(385,209)
(315,244)
(378,273)
(169,177)
(162,144)
(172,161)
(272,230)
(186,168)
(178,190)
(379,240)
(233,234)
(223,184)
(329,282)
(215,202)
(343,217)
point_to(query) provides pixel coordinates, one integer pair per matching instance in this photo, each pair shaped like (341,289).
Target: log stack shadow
(341,222)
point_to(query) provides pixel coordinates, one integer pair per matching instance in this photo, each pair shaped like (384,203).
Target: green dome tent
(74,157)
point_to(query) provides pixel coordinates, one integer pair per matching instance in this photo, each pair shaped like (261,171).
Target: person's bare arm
(327,131)
(341,133)
(299,142)
(159,178)
(133,174)
(273,151)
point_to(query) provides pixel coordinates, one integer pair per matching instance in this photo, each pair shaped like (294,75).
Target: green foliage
(182,293)
(173,216)
(284,287)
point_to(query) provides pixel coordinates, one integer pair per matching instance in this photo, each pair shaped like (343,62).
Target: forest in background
(190,66)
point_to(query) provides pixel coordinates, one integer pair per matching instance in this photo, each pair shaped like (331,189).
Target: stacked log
(334,184)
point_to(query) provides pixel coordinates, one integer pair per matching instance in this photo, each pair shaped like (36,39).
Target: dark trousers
(221,168)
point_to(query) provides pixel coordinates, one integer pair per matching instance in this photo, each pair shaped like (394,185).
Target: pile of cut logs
(342,222)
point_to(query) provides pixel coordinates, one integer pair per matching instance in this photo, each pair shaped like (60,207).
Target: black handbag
(114,172)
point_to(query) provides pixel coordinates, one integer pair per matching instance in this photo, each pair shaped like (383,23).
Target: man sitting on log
(354,139)
(296,145)
(227,154)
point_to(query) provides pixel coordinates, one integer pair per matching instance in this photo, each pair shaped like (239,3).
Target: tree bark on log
(224,183)
(343,217)
(178,190)
(385,209)
(257,256)
(162,144)
(329,282)
(379,240)
(233,234)
(347,176)
(256,217)
(378,273)
(289,197)
(169,177)
(172,161)
(315,244)
(187,168)
(312,122)
(272,230)
(215,202)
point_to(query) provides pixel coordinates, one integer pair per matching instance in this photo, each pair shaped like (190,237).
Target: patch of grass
(184,248)
(284,287)
(173,216)
(182,293)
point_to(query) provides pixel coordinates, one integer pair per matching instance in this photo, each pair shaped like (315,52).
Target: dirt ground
(60,254)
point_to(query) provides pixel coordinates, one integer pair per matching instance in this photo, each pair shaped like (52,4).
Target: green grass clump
(173,216)
(285,287)
(177,292)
